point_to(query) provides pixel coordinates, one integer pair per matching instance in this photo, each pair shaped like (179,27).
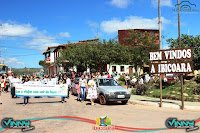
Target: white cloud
(41,42)
(165,47)
(162,3)
(35,39)
(93,24)
(19,30)
(13,62)
(65,34)
(120,3)
(132,22)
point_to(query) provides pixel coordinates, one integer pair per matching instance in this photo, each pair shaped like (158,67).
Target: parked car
(170,77)
(110,90)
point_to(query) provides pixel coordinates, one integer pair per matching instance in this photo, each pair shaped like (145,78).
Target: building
(53,53)
(49,59)
(124,34)
(130,69)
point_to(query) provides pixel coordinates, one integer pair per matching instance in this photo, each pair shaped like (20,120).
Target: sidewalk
(144,100)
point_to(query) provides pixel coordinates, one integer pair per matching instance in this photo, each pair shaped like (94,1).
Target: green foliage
(197,79)
(172,91)
(121,83)
(20,71)
(95,55)
(140,47)
(133,91)
(122,78)
(141,89)
(42,63)
(188,41)
(196,91)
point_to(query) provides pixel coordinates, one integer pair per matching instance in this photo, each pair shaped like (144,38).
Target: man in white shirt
(141,81)
(147,78)
(104,75)
(133,81)
(68,82)
(14,81)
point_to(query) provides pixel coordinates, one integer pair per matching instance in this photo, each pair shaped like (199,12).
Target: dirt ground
(135,116)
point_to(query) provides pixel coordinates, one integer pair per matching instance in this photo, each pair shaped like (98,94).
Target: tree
(95,55)
(188,41)
(139,47)
(42,63)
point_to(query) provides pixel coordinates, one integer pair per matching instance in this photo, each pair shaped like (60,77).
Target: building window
(113,68)
(122,68)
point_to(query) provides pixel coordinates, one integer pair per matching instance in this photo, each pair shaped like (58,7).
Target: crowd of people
(10,81)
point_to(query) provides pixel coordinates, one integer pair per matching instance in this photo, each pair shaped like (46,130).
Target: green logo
(186,6)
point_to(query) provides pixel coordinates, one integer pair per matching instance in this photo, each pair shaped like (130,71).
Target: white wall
(52,54)
(118,69)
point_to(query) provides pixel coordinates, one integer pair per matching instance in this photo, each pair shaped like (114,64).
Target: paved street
(135,116)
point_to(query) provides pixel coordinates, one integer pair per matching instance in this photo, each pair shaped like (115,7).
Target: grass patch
(173,91)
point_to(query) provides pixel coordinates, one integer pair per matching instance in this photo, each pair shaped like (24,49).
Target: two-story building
(53,53)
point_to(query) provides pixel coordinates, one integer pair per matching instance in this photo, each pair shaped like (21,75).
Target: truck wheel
(124,102)
(102,100)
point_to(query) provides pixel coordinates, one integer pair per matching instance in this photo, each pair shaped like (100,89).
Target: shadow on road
(41,102)
(158,101)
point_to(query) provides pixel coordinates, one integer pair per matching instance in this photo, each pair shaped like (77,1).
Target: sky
(28,27)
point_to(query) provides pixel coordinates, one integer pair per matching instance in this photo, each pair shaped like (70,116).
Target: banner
(41,90)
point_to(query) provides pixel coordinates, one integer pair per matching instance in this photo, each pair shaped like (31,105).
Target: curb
(164,105)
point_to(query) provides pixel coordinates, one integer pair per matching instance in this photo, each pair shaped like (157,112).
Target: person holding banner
(63,83)
(25,97)
(68,82)
(14,81)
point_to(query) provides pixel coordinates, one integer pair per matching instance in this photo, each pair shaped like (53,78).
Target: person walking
(68,82)
(92,90)
(7,84)
(83,85)
(66,86)
(78,92)
(3,83)
(127,80)
(26,97)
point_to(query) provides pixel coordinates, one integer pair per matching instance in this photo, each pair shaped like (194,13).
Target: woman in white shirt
(83,85)
(92,91)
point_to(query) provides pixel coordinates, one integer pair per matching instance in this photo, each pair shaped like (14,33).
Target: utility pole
(179,38)
(160,43)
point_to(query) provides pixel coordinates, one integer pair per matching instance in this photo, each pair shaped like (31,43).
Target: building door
(130,69)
